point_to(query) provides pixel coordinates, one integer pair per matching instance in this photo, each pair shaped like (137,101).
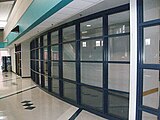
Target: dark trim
(60,62)
(105,64)
(17,92)
(75,115)
(13,72)
(141,65)
(150,23)
(78,72)
(49,62)
(27,77)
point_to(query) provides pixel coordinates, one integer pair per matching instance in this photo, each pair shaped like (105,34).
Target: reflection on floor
(20,99)
(84,115)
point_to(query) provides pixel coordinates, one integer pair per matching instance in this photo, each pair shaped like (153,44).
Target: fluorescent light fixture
(98,43)
(148,41)
(84,44)
(2,117)
(2,24)
(84,37)
(84,32)
(88,25)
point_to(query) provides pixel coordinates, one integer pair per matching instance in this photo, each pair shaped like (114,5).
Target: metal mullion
(92,38)
(78,69)
(49,62)
(150,23)
(91,61)
(119,62)
(118,35)
(60,62)
(150,66)
(105,64)
(69,60)
(42,67)
(139,59)
(66,42)
(150,110)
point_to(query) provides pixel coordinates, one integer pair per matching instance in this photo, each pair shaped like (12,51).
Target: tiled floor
(45,106)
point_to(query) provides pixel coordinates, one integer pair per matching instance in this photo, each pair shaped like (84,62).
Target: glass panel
(45,53)
(69,51)
(39,66)
(92,50)
(91,28)
(55,69)
(69,34)
(55,52)
(151,45)
(119,48)
(45,40)
(91,74)
(40,79)
(148,116)
(151,88)
(118,104)
(39,42)
(55,77)
(118,77)
(45,63)
(37,78)
(55,85)
(37,53)
(119,24)
(36,43)
(69,70)
(46,81)
(92,98)
(151,9)
(54,37)
(33,54)
(70,90)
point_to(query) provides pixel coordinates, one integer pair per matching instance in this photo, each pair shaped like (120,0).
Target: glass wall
(149,63)
(54,62)
(86,62)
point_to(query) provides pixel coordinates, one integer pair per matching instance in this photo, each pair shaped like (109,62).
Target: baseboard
(27,77)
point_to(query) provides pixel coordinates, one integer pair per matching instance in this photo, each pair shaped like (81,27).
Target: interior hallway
(21,99)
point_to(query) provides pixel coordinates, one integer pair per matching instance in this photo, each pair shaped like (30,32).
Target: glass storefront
(148,60)
(87,62)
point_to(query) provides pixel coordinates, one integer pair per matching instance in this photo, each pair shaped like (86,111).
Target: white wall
(133,59)
(25,58)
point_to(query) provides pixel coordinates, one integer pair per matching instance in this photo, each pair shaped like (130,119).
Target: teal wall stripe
(3,44)
(37,12)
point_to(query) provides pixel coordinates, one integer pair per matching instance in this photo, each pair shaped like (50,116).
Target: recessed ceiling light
(2,24)
(88,25)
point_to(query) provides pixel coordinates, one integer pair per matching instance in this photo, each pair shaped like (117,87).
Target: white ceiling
(5,9)
(70,12)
